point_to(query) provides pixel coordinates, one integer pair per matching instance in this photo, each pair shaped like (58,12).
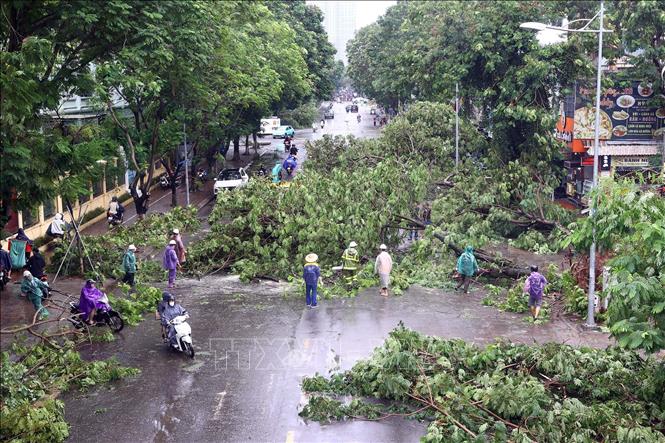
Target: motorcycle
(105,315)
(182,339)
(3,279)
(115,219)
(202,175)
(165,182)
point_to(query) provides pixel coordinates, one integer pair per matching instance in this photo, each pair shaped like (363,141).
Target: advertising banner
(625,112)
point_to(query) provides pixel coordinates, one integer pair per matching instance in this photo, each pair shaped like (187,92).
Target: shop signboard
(626,112)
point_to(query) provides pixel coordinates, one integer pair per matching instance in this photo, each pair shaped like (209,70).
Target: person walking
(312,276)
(382,266)
(34,289)
(180,250)
(129,266)
(350,260)
(467,266)
(534,286)
(170,262)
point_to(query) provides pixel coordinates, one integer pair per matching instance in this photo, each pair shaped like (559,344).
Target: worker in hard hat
(350,259)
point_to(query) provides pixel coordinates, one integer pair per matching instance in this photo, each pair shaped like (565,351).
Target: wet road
(255,343)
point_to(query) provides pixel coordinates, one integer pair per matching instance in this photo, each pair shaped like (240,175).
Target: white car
(230,178)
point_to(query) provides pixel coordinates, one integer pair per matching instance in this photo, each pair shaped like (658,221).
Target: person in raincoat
(171,310)
(180,250)
(170,262)
(129,266)
(277,173)
(312,276)
(19,249)
(467,266)
(34,289)
(350,260)
(57,227)
(90,301)
(383,266)
(290,165)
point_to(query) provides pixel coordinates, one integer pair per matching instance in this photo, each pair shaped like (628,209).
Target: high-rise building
(340,23)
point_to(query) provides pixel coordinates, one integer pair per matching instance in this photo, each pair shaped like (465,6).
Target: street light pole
(596,148)
(456,125)
(184,131)
(590,322)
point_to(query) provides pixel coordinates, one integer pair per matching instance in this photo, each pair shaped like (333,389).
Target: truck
(269,125)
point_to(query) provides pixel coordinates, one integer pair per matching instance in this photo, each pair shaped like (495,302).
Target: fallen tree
(505,392)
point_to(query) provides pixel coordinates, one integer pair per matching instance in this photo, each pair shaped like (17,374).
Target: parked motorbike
(165,182)
(115,219)
(182,339)
(202,175)
(3,279)
(105,315)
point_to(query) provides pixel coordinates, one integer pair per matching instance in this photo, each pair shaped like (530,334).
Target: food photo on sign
(626,112)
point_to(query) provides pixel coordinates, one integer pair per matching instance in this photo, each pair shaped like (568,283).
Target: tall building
(340,23)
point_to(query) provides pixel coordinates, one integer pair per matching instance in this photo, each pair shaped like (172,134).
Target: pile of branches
(505,392)
(101,255)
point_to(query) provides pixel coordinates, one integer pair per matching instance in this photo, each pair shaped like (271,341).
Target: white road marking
(290,437)
(218,409)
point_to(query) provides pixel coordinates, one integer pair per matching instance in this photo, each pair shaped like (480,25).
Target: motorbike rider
(293,151)
(160,308)
(90,301)
(323,123)
(290,165)
(287,143)
(171,310)
(115,209)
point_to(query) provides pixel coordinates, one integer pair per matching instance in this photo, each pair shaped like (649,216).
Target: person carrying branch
(467,267)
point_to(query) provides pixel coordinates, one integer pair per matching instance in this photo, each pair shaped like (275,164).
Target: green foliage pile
(267,230)
(504,392)
(33,377)
(133,305)
(106,251)
(630,224)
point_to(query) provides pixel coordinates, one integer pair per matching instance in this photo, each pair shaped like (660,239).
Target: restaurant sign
(625,113)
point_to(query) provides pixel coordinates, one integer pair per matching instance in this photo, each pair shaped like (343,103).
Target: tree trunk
(236,148)
(246,145)
(256,143)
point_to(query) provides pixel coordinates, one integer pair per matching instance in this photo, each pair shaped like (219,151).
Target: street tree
(47,48)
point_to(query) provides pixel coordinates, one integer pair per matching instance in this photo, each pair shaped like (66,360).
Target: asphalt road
(255,343)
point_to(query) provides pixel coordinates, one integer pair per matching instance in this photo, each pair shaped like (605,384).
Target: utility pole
(590,322)
(184,131)
(456,125)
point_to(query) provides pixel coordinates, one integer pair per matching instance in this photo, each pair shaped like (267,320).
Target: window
(30,217)
(49,208)
(97,188)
